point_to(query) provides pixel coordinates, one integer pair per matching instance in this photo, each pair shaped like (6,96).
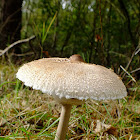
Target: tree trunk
(92,45)
(109,37)
(126,14)
(10,24)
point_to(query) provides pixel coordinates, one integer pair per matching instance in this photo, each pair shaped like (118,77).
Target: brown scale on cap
(76,58)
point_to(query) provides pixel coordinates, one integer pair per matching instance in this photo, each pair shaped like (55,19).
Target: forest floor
(29,114)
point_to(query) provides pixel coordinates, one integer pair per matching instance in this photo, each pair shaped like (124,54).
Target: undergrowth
(29,114)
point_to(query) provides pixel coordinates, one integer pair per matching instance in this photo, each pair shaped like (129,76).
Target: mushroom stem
(63,123)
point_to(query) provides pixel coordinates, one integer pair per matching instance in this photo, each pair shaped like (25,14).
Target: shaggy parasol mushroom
(71,82)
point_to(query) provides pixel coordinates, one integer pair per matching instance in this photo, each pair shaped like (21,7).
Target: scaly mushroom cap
(64,79)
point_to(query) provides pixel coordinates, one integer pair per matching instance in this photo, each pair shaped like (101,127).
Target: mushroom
(71,82)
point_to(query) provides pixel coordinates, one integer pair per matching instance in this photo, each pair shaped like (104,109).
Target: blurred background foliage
(103,32)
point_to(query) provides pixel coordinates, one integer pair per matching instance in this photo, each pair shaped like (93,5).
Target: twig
(137,51)
(15,43)
(29,53)
(127,73)
(133,54)
(138,69)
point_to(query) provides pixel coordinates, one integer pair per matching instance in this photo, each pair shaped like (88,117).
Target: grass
(31,115)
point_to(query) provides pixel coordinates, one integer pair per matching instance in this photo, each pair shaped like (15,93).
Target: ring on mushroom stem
(71,82)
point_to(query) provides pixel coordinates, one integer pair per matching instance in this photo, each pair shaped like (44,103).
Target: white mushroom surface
(62,78)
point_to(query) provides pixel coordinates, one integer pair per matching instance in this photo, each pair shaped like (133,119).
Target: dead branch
(137,51)
(29,53)
(133,54)
(15,43)
(138,69)
(128,73)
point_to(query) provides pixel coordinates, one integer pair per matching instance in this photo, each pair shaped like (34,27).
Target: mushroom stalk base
(63,123)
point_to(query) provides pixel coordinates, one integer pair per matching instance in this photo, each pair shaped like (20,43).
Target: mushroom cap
(64,79)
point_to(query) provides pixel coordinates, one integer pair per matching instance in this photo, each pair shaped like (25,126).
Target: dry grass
(29,114)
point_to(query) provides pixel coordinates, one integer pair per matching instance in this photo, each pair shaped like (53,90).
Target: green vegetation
(105,32)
